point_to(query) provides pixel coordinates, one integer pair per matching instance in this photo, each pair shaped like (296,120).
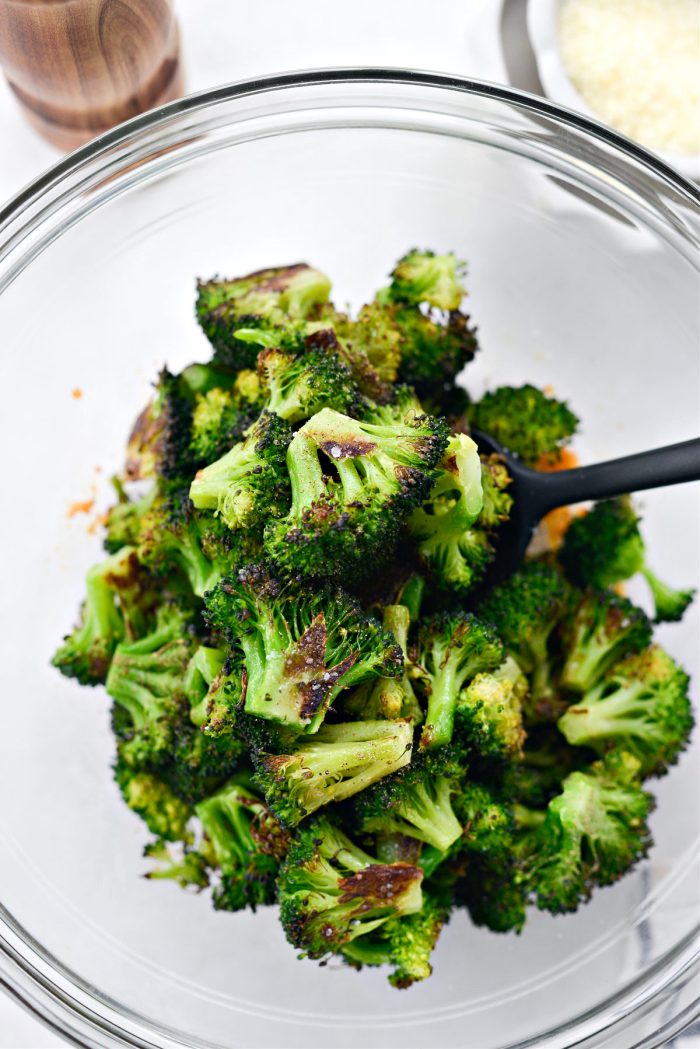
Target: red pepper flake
(76,393)
(80,507)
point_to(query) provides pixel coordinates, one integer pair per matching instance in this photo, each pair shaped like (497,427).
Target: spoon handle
(674,464)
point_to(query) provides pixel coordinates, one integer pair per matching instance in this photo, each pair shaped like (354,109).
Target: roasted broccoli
(603,628)
(389,697)
(605,546)
(641,706)
(526,421)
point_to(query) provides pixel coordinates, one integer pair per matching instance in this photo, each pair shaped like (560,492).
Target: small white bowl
(542,17)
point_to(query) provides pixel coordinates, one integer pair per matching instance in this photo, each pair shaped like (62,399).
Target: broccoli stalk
(249,483)
(331,892)
(641,705)
(336,763)
(525,421)
(245,842)
(603,629)
(605,546)
(452,649)
(388,697)
(299,648)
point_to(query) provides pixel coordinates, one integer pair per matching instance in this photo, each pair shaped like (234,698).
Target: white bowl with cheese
(618,75)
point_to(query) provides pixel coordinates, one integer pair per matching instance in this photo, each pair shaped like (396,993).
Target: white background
(223,41)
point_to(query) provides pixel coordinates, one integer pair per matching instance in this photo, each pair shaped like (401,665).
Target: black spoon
(535,493)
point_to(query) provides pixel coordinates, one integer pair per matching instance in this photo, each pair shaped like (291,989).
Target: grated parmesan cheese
(637,65)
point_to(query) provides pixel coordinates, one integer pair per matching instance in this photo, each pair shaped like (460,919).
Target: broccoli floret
(123,520)
(525,421)
(404,943)
(605,546)
(417,803)
(486,820)
(330,891)
(269,300)
(497,502)
(298,385)
(452,649)
(488,716)
(388,697)
(245,842)
(374,334)
(164,814)
(200,763)
(382,466)
(146,679)
(178,542)
(546,761)
(493,891)
(423,276)
(159,444)
(603,628)
(117,606)
(300,648)
(185,866)
(203,681)
(593,832)
(337,762)
(222,415)
(641,705)
(526,611)
(249,483)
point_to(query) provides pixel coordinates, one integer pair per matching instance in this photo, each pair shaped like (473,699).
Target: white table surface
(221,43)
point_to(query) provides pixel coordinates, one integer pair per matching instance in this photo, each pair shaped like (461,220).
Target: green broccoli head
(640,705)
(270,300)
(151,798)
(375,335)
(335,763)
(249,483)
(415,803)
(298,385)
(331,892)
(353,482)
(159,444)
(244,841)
(299,647)
(493,891)
(123,519)
(488,716)
(222,415)
(118,605)
(603,628)
(526,610)
(525,421)
(605,546)
(452,649)
(423,276)
(593,832)
(145,679)
(497,502)
(547,760)
(486,820)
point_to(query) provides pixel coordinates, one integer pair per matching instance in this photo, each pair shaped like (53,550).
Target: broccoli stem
(669,603)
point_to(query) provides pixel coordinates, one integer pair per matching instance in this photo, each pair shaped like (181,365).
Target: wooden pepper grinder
(78,67)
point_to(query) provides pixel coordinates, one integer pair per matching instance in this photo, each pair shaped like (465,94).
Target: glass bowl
(583,256)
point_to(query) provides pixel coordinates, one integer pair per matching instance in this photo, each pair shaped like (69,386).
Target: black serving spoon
(535,493)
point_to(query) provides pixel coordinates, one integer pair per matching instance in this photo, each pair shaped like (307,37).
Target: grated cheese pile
(637,65)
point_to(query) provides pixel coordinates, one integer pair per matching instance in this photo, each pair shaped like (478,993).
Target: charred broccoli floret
(159,445)
(381,467)
(605,546)
(151,798)
(641,706)
(525,421)
(300,648)
(488,715)
(269,300)
(222,415)
(249,483)
(452,649)
(405,943)
(244,841)
(298,385)
(335,763)
(331,892)
(416,803)
(602,630)
(389,697)
(526,610)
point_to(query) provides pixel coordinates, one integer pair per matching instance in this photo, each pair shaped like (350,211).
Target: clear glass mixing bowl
(583,257)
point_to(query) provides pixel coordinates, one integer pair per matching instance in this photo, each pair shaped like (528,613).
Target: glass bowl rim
(63,1000)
